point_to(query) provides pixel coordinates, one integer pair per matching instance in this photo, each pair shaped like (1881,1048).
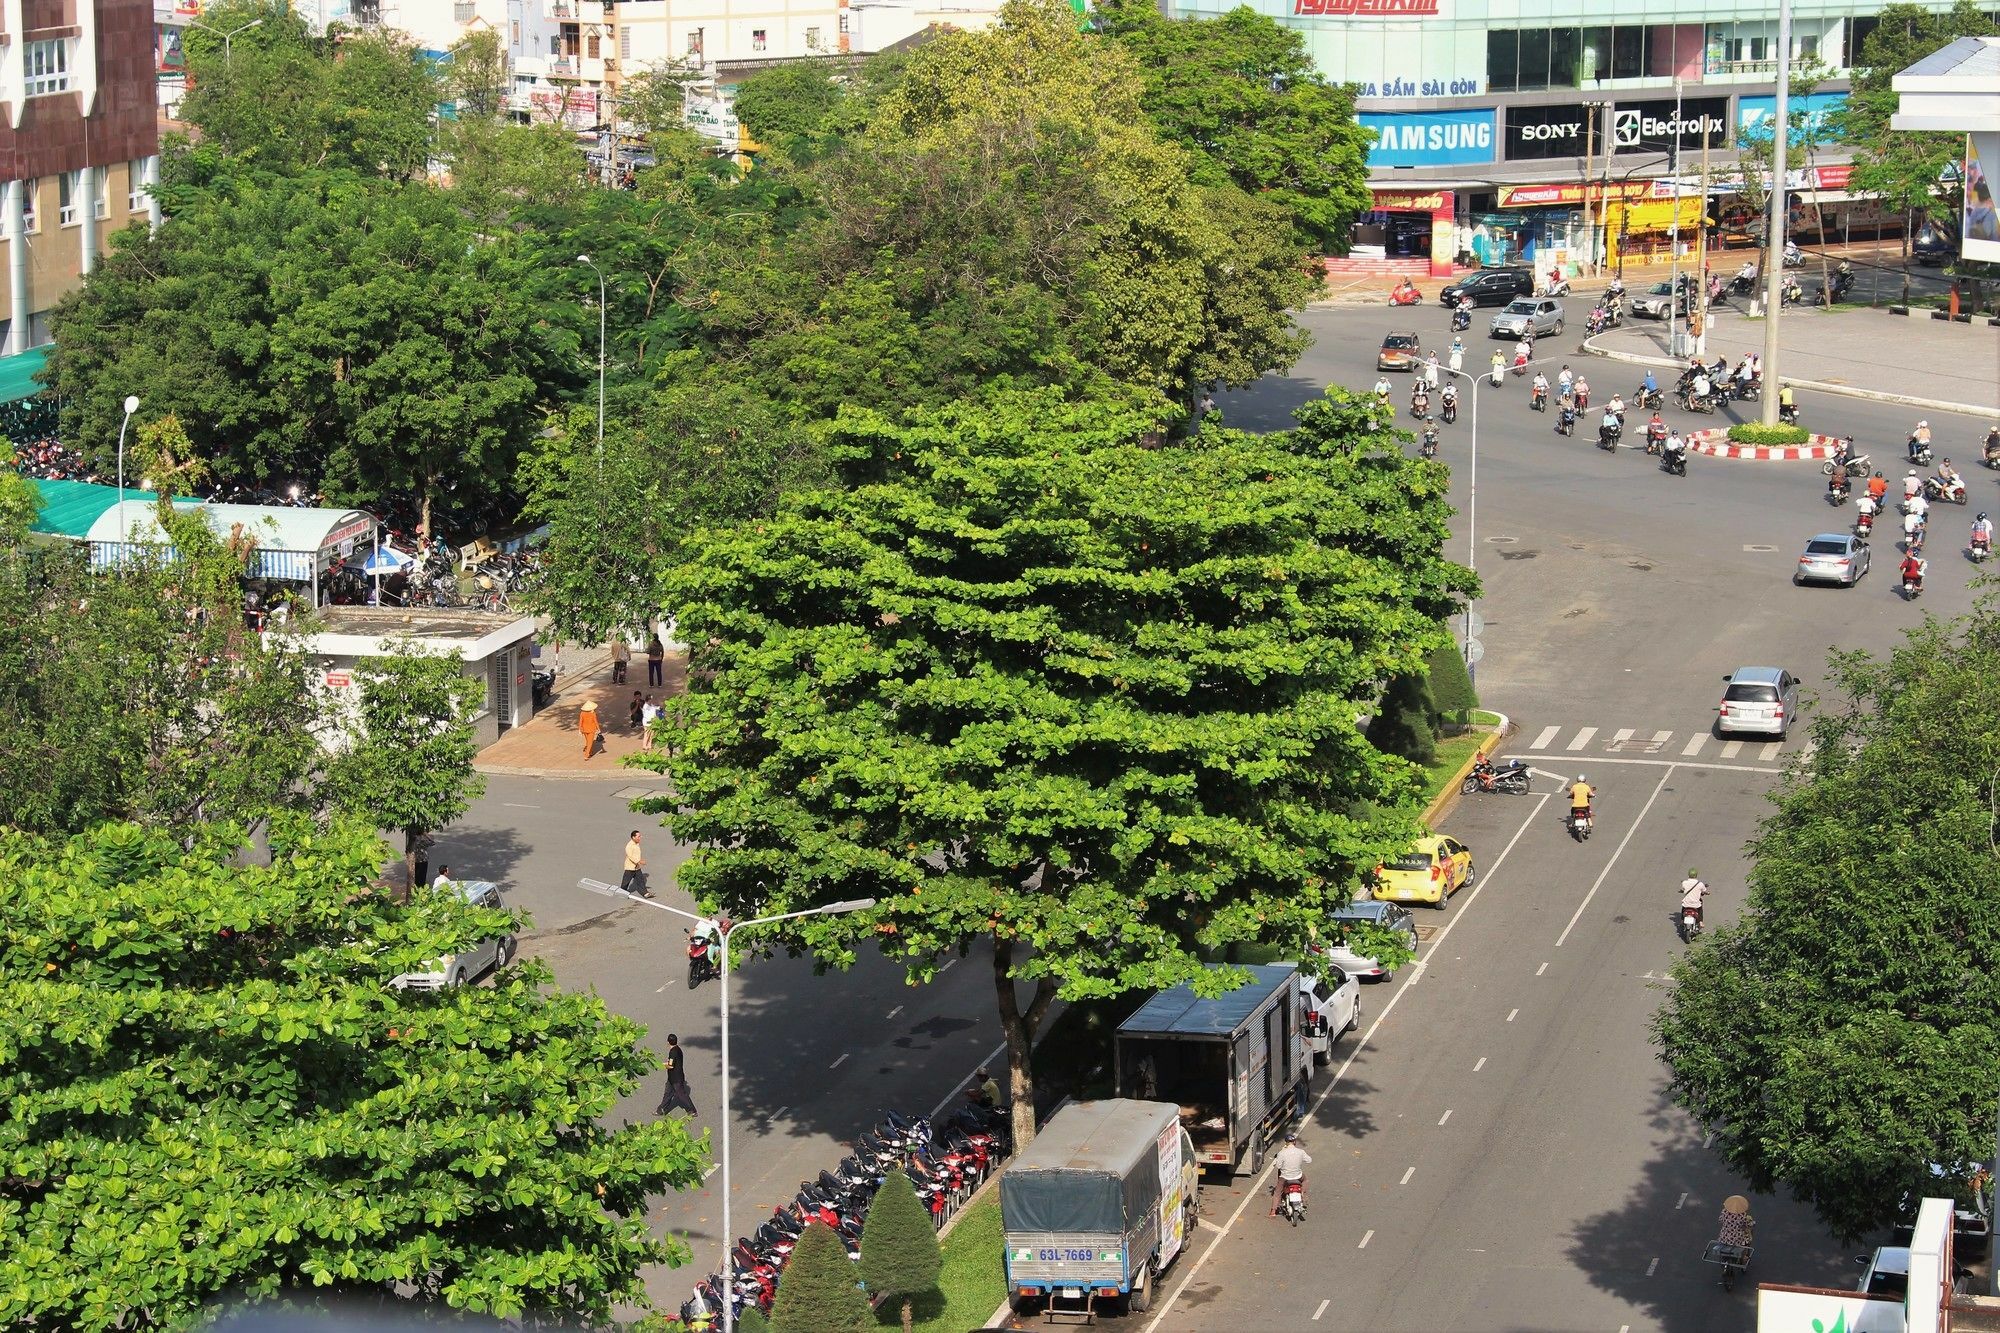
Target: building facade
(1566,131)
(79,146)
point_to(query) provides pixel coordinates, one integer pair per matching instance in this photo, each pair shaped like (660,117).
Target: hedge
(1754,432)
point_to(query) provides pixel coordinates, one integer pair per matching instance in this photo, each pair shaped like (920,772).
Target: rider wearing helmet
(1292,1160)
(1580,794)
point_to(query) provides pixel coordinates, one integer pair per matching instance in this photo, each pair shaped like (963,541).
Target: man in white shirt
(1692,893)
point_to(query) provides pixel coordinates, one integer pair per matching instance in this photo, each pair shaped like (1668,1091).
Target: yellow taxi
(1430,872)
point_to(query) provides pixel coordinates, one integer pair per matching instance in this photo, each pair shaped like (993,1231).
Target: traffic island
(1715,443)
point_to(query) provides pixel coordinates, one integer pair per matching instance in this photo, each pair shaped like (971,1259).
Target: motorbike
(1566,420)
(1450,411)
(1461,319)
(1980,548)
(1512,779)
(1406,296)
(1792,293)
(1538,400)
(1420,404)
(543,688)
(1656,440)
(1648,400)
(1558,286)
(1597,321)
(1745,391)
(1292,1200)
(1690,923)
(1794,257)
(1913,587)
(1836,495)
(1580,821)
(1742,285)
(1690,401)
(1864,520)
(1675,461)
(1429,448)
(1607,437)
(1936,488)
(1857,464)
(1922,456)
(1836,288)
(702,965)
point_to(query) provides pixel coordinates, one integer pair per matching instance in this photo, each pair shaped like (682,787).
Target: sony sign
(1654,125)
(1548,131)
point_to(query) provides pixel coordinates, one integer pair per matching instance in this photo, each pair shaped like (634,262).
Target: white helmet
(1923,423)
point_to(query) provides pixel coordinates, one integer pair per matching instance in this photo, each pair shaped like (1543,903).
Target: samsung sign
(1430,138)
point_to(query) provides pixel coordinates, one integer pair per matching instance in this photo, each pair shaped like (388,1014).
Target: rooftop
(396,622)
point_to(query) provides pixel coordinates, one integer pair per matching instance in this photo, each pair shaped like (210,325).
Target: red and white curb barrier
(1716,444)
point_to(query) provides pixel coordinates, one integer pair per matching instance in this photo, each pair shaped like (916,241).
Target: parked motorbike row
(945,1164)
(50,460)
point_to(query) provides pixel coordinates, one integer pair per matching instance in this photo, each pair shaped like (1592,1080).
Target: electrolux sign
(1430,138)
(1637,127)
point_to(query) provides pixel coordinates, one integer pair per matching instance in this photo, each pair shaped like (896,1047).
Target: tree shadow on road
(1648,1250)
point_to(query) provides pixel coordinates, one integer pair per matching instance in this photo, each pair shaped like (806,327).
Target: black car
(1934,248)
(1491,286)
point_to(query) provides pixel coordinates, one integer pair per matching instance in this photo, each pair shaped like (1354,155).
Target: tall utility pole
(1701,252)
(1774,231)
(1589,146)
(1674,230)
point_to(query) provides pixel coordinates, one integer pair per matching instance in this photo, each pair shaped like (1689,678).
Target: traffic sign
(1474,624)
(1474,650)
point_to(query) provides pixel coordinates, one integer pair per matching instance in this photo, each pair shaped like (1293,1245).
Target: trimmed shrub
(1452,695)
(817,1292)
(900,1256)
(1402,721)
(1755,432)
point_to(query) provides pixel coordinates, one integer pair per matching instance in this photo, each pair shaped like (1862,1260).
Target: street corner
(1715,443)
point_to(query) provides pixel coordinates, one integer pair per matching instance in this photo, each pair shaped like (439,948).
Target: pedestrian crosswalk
(1639,741)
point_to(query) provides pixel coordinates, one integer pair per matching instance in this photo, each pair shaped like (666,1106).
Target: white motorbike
(1937,488)
(1292,1201)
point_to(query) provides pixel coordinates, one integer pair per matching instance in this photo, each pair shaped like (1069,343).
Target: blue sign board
(1753,114)
(1431,138)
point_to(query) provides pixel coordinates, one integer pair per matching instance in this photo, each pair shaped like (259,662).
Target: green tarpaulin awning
(17,374)
(70,507)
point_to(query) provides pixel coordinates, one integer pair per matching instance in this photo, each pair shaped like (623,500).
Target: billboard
(1655,126)
(1753,115)
(1431,138)
(1980,237)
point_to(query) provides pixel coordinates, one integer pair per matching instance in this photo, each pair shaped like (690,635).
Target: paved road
(1499,1153)
(816,1059)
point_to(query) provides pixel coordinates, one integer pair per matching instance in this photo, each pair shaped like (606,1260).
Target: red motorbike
(1407,294)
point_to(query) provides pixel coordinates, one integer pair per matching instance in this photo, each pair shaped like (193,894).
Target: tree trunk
(1909,220)
(1020,1029)
(909,1320)
(424,516)
(412,840)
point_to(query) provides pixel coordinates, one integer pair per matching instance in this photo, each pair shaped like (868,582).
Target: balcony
(577,11)
(564,67)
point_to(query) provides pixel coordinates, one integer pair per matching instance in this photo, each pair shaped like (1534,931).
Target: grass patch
(1755,432)
(1451,752)
(973,1282)
(1480,717)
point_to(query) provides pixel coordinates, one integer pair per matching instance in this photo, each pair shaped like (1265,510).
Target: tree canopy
(1843,1036)
(1036,679)
(213,1090)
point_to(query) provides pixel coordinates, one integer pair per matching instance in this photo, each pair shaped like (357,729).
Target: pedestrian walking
(649,713)
(656,658)
(634,878)
(677,1094)
(587,723)
(621,657)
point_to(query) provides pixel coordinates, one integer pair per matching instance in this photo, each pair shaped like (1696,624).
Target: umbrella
(385,560)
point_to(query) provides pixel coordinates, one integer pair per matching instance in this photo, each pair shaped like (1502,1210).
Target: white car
(458,968)
(1371,912)
(1332,1006)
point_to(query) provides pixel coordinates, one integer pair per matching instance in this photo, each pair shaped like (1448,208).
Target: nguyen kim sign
(1431,138)
(1370,9)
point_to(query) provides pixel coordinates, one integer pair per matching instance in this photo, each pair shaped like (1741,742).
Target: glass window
(591,46)
(31,194)
(1759,50)
(1565,57)
(47,66)
(100,203)
(1534,58)
(1596,54)
(1858,29)
(66,184)
(812,39)
(625,43)
(135,184)
(1503,56)
(757,39)
(1809,47)
(1628,52)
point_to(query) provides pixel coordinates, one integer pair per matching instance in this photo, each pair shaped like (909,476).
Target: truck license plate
(1073,1292)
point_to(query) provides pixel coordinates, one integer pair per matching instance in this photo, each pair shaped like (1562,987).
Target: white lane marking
(1406,1176)
(1364,1240)
(1446,1116)
(1257,1188)
(516,805)
(1543,968)
(1682,1201)
(1660,738)
(1618,738)
(893,1012)
(1664,763)
(711,1171)
(1202,1221)
(1731,749)
(1548,734)
(1322,1309)
(1582,739)
(1624,842)
(1653,1267)
(780,1111)
(1511,1013)
(663,985)
(1770,751)
(1481,1064)
(1693,747)
(838,1063)
(949,965)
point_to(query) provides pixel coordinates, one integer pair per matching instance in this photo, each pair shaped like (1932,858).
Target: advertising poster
(1981,237)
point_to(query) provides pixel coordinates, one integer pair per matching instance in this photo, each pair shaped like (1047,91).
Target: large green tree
(792,100)
(1242,95)
(1035,680)
(140,695)
(1842,1036)
(214,1091)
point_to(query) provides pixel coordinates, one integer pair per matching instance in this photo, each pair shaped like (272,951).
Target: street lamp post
(585,259)
(1674,229)
(227,37)
(1774,230)
(831,909)
(131,406)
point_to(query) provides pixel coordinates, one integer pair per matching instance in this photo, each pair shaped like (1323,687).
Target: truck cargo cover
(1096,1167)
(1181,1012)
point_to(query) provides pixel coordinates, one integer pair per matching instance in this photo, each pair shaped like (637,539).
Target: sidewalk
(550,746)
(1909,359)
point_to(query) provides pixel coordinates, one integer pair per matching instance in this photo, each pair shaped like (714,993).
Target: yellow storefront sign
(1646,227)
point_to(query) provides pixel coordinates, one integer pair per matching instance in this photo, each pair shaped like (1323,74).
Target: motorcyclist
(1982,532)
(1913,485)
(704,951)
(1607,429)
(1914,567)
(1747,275)
(1701,387)
(1991,449)
(1656,432)
(1538,394)
(1420,400)
(1836,484)
(1449,394)
(1291,1161)
(1647,390)
(1913,532)
(1614,296)
(1920,440)
(1616,407)
(1581,794)
(1383,389)
(1788,402)
(1430,445)
(1482,770)
(1745,377)
(1948,478)
(1565,383)
(1582,394)
(1878,488)
(1692,893)
(1405,292)
(1499,367)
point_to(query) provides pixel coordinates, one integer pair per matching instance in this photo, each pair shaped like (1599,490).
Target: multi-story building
(79,150)
(1563,130)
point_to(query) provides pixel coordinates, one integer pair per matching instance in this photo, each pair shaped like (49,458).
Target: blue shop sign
(1753,114)
(1430,138)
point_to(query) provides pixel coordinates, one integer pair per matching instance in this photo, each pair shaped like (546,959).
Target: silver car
(1658,301)
(1531,314)
(1758,699)
(458,968)
(1832,557)
(1374,913)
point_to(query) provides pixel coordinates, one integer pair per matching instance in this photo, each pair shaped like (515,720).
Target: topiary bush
(1753,432)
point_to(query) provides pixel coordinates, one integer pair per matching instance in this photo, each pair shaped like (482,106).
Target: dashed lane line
(1623,842)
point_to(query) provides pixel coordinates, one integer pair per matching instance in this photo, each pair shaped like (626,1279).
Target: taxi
(1430,872)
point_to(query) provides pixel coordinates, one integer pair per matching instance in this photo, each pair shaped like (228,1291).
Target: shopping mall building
(1493,117)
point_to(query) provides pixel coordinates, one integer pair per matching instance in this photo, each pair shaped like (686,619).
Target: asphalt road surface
(1497,1154)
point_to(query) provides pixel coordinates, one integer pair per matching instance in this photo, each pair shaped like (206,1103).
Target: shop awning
(17,374)
(294,544)
(72,508)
